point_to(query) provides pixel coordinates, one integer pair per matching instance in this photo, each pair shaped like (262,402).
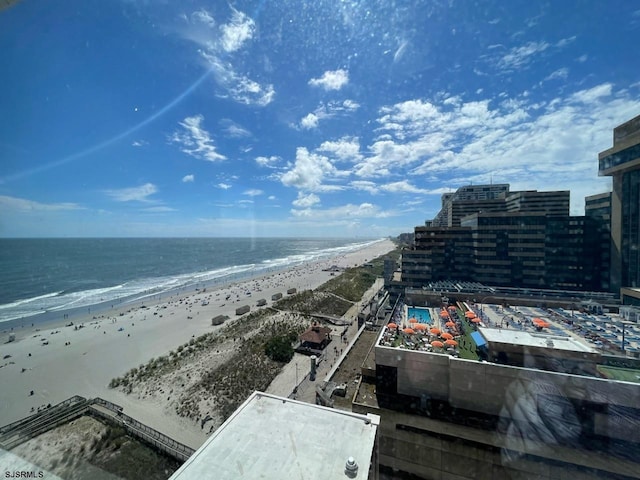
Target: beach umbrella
(409,331)
(435,331)
(437,344)
(392,326)
(469,314)
(476,320)
(419,326)
(413,320)
(450,324)
(451,342)
(452,308)
(446,336)
(444,314)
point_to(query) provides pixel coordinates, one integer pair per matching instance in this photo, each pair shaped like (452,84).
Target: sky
(300,119)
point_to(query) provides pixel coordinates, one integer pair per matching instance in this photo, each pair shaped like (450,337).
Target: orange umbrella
(476,320)
(469,314)
(420,326)
(450,324)
(435,331)
(444,314)
(453,343)
(446,336)
(409,331)
(437,343)
(452,308)
(392,326)
(413,320)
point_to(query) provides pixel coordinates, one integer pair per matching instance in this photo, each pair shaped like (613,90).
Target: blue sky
(289,118)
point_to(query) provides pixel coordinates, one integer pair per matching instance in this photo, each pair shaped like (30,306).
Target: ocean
(40,276)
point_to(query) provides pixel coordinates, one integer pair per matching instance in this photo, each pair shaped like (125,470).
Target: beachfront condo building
(524,239)
(622,163)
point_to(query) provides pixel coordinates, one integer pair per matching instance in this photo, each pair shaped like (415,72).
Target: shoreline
(55,319)
(57,362)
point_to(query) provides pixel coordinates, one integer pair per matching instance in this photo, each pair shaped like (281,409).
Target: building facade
(598,208)
(622,162)
(524,239)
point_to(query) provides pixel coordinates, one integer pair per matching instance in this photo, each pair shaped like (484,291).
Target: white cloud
(402,186)
(366,186)
(331,80)
(561,74)
(160,209)
(309,172)
(235,33)
(310,121)
(248,92)
(133,194)
(195,140)
(254,192)
(519,57)
(139,143)
(224,186)
(268,162)
(204,17)
(14,204)
(271,197)
(233,130)
(344,212)
(583,58)
(346,148)
(563,42)
(218,48)
(328,110)
(188,178)
(547,146)
(306,201)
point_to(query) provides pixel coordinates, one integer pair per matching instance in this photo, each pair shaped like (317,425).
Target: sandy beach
(61,361)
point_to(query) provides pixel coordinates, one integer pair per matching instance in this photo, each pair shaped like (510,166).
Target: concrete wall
(434,449)
(514,392)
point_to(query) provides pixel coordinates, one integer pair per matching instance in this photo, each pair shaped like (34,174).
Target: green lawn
(617,373)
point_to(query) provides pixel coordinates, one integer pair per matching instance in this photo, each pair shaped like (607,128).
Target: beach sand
(61,361)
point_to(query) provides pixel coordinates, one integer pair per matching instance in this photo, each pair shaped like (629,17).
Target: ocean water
(55,275)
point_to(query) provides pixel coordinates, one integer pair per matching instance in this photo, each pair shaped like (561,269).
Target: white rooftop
(531,339)
(271,437)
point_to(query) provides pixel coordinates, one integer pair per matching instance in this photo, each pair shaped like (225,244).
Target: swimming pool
(421,314)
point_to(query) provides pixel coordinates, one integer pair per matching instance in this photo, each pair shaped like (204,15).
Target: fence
(18,432)
(159,440)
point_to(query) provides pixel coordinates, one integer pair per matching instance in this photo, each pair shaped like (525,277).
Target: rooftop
(534,339)
(271,437)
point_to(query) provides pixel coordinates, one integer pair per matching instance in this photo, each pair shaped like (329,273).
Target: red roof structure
(316,336)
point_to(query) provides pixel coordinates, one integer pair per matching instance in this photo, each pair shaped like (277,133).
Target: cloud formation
(194,140)
(133,194)
(331,80)
(219,46)
(14,204)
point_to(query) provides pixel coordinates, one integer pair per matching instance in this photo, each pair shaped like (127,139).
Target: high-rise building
(523,239)
(622,162)
(598,208)
(470,199)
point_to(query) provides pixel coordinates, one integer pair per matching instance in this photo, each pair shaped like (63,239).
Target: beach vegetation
(279,348)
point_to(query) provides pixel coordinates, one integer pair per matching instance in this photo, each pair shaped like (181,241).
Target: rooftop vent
(351,468)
